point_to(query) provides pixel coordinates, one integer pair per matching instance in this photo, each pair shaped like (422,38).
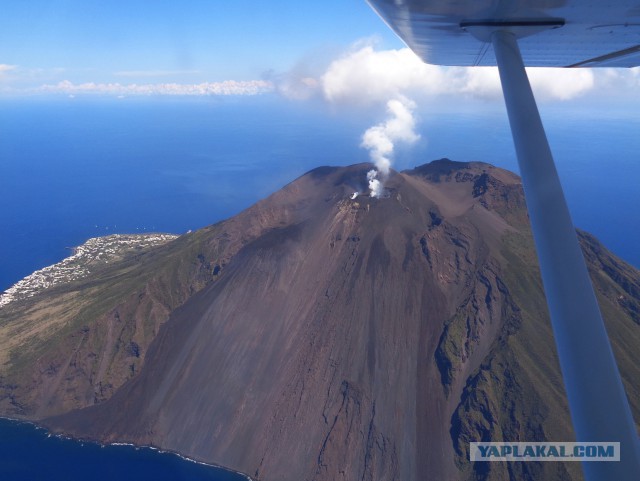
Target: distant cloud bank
(228,87)
(362,75)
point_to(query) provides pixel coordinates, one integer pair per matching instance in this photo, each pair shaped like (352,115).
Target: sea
(75,168)
(30,453)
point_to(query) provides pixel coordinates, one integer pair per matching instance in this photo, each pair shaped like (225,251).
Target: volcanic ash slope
(333,338)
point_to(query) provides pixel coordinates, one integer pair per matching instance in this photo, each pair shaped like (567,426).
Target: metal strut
(599,407)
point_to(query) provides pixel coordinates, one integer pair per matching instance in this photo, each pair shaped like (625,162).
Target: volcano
(317,336)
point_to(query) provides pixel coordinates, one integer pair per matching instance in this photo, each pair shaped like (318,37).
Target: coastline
(85,258)
(49,434)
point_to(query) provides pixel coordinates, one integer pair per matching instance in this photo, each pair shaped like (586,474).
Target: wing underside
(568,33)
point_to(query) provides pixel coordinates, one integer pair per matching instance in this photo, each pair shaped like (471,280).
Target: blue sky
(336,50)
(189,41)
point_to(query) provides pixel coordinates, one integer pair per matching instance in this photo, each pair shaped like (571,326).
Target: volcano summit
(316,336)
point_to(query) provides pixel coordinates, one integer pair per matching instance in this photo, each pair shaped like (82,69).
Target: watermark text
(549,451)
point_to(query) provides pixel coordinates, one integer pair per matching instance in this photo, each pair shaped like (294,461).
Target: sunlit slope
(315,336)
(74,344)
(71,345)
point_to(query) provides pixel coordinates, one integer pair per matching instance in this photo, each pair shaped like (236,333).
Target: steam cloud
(381,139)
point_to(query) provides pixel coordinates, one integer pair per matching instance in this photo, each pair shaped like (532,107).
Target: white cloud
(367,75)
(618,79)
(480,82)
(228,87)
(5,69)
(560,83)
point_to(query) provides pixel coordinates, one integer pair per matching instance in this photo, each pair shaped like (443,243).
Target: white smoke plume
(381,139)
(375,186)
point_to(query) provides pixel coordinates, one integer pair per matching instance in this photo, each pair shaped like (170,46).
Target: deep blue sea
(71,169)
(29,454)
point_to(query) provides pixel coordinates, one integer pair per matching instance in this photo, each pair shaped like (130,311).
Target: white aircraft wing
(571,33)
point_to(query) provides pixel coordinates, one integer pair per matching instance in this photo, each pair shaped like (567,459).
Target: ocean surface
(71,169)
(29,453)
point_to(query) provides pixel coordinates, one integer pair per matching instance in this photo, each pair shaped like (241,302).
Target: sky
(166,41)
(338,50)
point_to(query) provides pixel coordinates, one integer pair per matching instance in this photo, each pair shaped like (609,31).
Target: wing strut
(599,407)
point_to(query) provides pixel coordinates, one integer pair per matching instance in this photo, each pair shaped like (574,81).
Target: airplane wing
(571,33)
